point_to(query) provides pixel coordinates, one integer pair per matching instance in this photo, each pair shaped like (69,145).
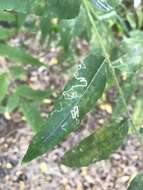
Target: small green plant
(114,33)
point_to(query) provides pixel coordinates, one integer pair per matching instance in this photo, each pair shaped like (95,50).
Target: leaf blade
(97,146)
(76,100)
(4,82)
(26,92)
(17,5)
(63,9)
(32,115)
(18,55)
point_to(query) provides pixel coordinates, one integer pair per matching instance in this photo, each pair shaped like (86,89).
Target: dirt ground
(46,174)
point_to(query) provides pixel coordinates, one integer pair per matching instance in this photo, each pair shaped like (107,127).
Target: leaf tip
(25,159)
(65,161)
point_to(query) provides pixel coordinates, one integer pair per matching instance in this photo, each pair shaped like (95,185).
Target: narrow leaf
(5,33)
(32,115)
(24,91)
(18,55)
(12,103)
(7,16)
(3,86)
(17,72)
(64,9)
(98,146)
(17,5)
(78,98)
(138,113)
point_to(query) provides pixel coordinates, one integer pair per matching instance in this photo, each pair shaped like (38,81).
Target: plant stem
(88,9)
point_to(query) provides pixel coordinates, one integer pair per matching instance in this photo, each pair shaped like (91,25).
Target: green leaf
(24,91)
(66,32)
(64,9)
(45,27)
(32,115)
(138,113)
(11,20)
(136,183)
(131,53)
(2,109)
(38,7)
(17,72)
(7,16)
(18,55)
(20,20)
(6,33)
(17,5)
(78,98)
(12,103)
(4,82)
(98,146)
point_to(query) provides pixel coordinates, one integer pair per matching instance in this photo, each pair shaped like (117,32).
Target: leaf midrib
(61,123)
(43,141)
